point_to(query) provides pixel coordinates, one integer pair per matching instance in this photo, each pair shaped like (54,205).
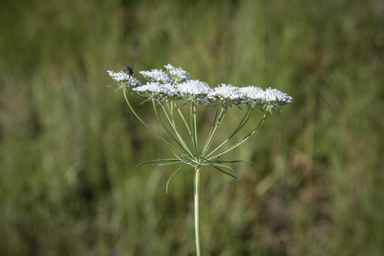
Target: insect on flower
(128,68)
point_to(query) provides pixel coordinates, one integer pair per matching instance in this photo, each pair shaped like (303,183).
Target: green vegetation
(69,145)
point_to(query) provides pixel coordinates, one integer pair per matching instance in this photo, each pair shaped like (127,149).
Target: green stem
(210,132)
(215,131)
(197,211)
(172,122)
(195,127)
(183,118)
(126,99)
(185,122)
(239,142)
(241,125)
(158,117)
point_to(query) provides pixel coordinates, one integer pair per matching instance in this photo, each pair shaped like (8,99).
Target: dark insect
(128,68)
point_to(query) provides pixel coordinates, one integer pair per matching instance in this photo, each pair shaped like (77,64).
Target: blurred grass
(69,146)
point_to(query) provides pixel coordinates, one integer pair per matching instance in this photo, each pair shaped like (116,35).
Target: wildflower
(175,84)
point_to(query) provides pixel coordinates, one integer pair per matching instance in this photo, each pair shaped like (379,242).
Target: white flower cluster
(254,93)
(226,93)
(175,84)
(276,95)
(194,90)
(118,76)
(178,74)
(123,79)
(268,100)
(193,87)
(249,95)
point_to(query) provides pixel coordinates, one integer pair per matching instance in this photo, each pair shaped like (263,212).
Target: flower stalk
(197,211)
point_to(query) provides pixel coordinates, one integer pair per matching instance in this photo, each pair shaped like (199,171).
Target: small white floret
(169,66)
(179,74)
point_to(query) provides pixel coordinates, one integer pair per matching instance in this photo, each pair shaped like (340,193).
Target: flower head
(267,100)
(252,94)
(175,84)
(194,90)
(275,99)
(123,79)
(226,95)
(178,74)
(274,95)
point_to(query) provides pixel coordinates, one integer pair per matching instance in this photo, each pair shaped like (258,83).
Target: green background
(69,145)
